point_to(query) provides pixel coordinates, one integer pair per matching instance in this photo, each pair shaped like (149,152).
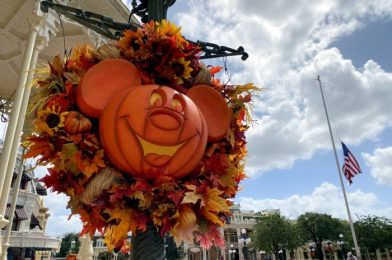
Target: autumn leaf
(57,66)
(213,202)
(176,196)
(217,163)
(92,221)
(93,166)
(122,221)
(74,204)
(39,146)
(215,69)
(191,196)
(70,158)
(185,226)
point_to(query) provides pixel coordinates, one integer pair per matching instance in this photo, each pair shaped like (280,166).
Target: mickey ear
(102,81)
(214,109)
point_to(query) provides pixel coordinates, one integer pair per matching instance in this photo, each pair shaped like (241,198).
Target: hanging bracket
(101,24)
(113,30)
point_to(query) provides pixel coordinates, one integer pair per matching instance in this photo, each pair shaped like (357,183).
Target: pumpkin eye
(177,103)
(156,99)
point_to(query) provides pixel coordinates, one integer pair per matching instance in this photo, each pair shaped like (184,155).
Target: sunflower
(168,29)
(131,42)
(50,120)
(181,69)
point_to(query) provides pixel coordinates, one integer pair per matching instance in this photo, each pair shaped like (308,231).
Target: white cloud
(380,163)
(326,198)
(287,43)
(58,222)
(294,124)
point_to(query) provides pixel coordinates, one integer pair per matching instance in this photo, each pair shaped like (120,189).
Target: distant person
(350,256)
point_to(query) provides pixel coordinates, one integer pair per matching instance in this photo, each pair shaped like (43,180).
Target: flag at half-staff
(350,166)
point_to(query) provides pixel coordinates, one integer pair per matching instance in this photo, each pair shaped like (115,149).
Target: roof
(20,214)
(14,32)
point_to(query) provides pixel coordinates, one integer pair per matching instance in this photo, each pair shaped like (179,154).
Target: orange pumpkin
(75,123)
(151,129)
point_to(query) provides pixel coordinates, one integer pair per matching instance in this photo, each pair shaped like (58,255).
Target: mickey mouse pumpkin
(150,129)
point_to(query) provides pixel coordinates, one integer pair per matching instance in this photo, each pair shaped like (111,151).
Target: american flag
(350,166)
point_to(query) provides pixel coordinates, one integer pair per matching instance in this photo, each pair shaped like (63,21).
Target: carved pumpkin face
(150,129)
(153,129)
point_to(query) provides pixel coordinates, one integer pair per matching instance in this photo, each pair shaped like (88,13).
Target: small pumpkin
(75,123)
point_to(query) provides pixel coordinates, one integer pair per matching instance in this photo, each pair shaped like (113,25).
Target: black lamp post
(341,244)
(244,240)
(312,251)
(231,252)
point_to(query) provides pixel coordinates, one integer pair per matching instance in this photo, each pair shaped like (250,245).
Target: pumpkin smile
(166,151)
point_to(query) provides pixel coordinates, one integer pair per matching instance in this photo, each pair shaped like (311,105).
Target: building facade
(235,232)
(26,231)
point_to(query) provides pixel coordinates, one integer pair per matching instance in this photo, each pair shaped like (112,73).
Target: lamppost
(329,249)
(312,251)
(262,254)
(231,252)
(341,244)
(244,240)
(72,249)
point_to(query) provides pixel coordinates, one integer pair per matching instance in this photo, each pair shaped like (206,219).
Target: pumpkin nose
(166,119)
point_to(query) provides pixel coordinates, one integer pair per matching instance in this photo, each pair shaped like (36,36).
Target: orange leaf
(185,226)
(115,234)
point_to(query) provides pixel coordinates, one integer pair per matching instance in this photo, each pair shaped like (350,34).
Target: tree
(318,227)
(66,242)
(274,232)
(374,232)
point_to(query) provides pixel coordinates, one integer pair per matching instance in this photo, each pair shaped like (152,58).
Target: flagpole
(358,252)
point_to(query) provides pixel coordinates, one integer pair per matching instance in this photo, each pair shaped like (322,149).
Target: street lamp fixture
(340,242)
(312,251)
(262,254)
(232,252)
(244,240)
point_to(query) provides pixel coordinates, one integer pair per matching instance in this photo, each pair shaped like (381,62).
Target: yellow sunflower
(131,41)
(50,120)
(166,28)
(181,70)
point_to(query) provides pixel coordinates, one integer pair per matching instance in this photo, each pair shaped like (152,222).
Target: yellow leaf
(116,233)
(185,226)
(212,217)
(215,203)
(191,196)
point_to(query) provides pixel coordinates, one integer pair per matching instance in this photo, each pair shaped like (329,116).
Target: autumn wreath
(68,139)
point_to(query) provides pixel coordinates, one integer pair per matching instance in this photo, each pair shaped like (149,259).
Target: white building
(27,237)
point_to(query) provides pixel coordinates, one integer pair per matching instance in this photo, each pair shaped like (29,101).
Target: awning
(26,176)
(41,190)
(20,213)
(8,212)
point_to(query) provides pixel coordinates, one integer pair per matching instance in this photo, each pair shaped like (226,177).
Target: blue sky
(290,164)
